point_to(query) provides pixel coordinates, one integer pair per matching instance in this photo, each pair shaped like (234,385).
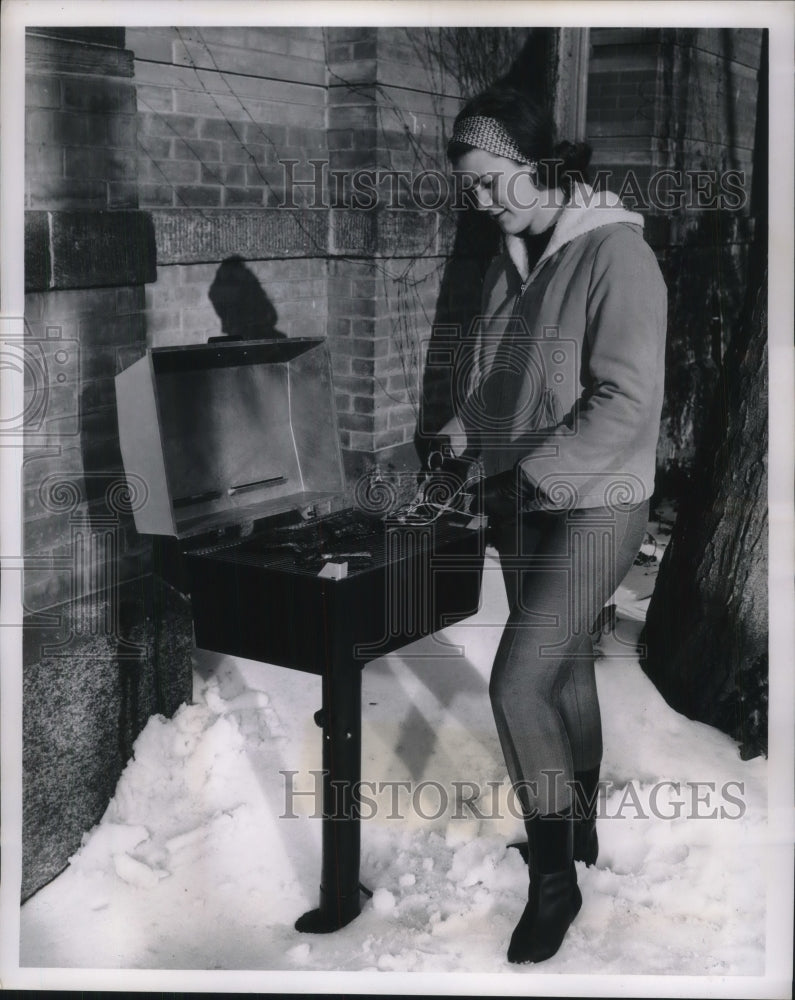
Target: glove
(451,481)
(504,495)
(438,450)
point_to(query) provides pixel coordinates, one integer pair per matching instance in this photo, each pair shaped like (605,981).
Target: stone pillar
(390,106)
(96,619)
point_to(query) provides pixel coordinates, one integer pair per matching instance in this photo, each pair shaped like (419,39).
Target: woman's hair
(531,127)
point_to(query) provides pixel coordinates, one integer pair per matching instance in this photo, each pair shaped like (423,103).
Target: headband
(489,135)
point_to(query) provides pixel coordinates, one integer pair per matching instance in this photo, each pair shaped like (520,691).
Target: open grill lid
(226,433)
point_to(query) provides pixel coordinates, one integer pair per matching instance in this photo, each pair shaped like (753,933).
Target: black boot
(586,794)
(554,899)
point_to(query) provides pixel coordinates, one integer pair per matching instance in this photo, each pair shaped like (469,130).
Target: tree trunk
(706,632)
(706,629)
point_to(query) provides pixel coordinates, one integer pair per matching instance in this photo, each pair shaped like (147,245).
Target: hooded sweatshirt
(566,381)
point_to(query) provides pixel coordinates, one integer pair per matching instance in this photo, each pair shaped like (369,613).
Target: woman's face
(505,190)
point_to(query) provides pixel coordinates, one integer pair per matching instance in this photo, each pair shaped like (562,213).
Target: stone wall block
(86,249)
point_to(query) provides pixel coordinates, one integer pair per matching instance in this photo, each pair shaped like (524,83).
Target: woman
(562,404)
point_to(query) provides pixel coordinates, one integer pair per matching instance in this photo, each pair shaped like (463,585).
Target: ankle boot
(586,843)
(554,899)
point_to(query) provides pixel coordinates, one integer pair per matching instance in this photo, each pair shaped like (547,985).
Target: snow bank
(197,865)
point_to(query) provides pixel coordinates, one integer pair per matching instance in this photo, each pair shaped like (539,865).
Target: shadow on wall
(476,242)
(245,311)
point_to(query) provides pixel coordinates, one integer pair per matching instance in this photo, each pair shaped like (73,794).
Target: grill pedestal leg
(341,720)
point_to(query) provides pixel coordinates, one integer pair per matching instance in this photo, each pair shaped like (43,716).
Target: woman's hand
(455,435)
(504,495)
(438,450)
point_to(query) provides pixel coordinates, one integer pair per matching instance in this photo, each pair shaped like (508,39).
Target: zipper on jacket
(552,406)
(526,283)
(536,269)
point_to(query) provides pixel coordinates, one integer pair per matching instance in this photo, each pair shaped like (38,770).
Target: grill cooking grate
(345,536)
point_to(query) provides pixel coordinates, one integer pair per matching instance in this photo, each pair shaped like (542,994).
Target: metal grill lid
(225,433)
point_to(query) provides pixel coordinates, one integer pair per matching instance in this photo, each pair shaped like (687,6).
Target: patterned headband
(490,135)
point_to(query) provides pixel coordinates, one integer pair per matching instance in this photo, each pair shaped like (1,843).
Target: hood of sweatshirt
(586,210)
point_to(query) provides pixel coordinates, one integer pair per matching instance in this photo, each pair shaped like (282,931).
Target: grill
(223,434)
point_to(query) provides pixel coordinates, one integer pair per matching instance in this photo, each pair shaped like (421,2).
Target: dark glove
(438,450)
(451,481)
(504,495)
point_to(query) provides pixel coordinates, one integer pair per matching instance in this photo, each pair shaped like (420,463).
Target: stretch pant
(560,568)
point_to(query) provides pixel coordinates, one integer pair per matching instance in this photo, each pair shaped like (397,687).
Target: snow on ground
(203,861)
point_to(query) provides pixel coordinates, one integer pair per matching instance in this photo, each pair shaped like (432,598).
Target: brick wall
(80,125)
(179,310)
(219,107)
(220,111)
